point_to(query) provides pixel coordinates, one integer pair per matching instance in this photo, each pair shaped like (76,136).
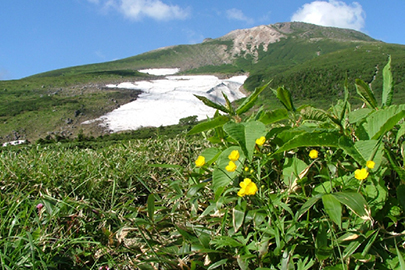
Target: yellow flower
(247,187)
(246,169)
(200,161)
(231,166)
(313,154)
(370,164)
(361,174)
(234,155)
(261,141)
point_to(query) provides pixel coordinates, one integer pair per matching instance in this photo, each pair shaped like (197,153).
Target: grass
(89,197)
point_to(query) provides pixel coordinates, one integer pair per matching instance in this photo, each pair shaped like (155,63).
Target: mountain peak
(248,41)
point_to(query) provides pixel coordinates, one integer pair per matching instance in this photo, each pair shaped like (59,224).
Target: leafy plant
(332,208)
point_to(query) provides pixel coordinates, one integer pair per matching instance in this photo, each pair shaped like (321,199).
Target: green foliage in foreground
(325,191)
(91,199)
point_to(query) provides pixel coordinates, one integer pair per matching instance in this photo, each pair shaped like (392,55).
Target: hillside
(310,60)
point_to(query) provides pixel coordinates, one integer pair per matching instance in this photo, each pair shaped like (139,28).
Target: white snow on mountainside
(165,101)
(160,71)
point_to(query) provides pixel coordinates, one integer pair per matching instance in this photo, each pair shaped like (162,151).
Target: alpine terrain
(312,61)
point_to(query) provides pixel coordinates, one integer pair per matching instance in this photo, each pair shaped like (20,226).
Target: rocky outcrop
(251,41)
(248,41)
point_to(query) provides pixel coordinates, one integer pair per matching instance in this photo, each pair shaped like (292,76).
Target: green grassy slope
(322,78)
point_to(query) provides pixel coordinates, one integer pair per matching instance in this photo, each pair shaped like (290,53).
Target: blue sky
(38,36)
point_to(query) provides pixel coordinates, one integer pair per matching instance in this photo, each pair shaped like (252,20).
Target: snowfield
(165,101)
(160,71)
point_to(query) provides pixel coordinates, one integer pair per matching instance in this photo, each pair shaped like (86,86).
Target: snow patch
(160,71)
(17,142)
(166,101)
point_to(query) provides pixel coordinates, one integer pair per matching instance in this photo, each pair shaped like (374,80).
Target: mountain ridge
(227,48)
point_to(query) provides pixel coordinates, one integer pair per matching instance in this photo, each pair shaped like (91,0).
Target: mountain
(312,61)
(235,50)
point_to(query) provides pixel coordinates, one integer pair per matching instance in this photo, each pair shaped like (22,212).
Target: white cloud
(138,9)
(332,13)
(236,14)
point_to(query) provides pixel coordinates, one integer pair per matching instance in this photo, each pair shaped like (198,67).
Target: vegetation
(288,188)
(325,75)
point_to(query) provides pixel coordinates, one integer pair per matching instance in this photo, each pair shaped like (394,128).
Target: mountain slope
(311,60)
(243,44)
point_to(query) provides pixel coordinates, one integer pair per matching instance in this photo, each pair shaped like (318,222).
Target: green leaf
(355,242)
(372,236)
(212,104)
(366,94)
(293,170)
(250,100)
(220,176)
(400,259)
(322,249)
(376,194)
(282,135)
(210,154)
(253,131)
(226,241)
(314,139)
(314,114)
(346,105)
(204,239)
(387,92)
(237,132)
(274,116)
(401,132)
(238,217)
(355,202)
(209,124)
(399,170)
(36,234)
(321,235)
(185,234)
(228,104)
(350,149)
(307,205)
(192,191)
(359,115)
(333,208)
(382,121)
(400,196)
(370,150)
(151,206)
(243,263)
(284,95)
(217,264)
(363,258)
(246,134)
(305,265)
(324,253)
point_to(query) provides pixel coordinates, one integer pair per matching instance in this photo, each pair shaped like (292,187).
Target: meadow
(252,188)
